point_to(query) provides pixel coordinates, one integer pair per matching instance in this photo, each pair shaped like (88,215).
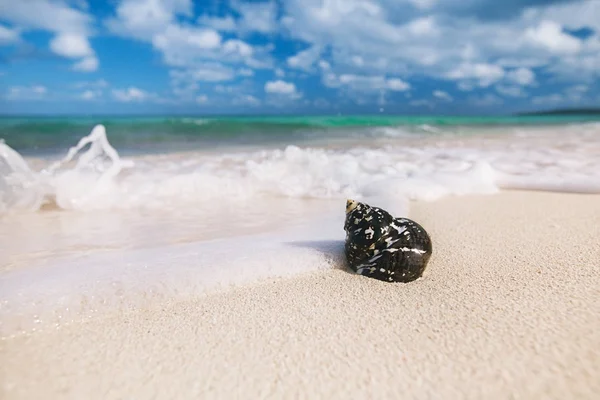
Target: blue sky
(298,56)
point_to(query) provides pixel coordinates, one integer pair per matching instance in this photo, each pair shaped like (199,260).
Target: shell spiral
(383,247)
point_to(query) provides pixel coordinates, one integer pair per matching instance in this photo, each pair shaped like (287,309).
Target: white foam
(203,186)
(422,170)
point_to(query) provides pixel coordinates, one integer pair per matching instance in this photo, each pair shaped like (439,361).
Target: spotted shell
(383,247)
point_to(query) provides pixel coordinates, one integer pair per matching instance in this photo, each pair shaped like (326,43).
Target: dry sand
(509,308)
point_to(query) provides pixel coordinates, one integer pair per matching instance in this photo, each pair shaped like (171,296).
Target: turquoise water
(38,135)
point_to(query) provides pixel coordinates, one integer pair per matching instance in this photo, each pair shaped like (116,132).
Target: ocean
(99,213)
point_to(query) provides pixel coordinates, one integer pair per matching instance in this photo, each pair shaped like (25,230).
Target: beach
(508,308)
(322,199)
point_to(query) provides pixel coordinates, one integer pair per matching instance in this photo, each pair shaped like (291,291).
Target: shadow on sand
(330,248)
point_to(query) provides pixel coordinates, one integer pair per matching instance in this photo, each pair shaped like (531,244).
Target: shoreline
(509,306)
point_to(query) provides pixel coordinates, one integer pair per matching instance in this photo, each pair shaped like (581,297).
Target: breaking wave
(92,175)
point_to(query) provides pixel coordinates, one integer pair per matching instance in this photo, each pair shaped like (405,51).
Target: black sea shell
(383,247)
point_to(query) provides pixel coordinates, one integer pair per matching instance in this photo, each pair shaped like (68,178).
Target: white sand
(509,308)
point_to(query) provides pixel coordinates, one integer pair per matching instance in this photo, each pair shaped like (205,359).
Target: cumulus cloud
(257,17)
(421,103)
(143,19)
(196,52)
(131,94)
(366,49)
(207,72)
(245,100)
(98,84)
(576,93)
(484,74)
(367,83)
(389,37)
(486,100)
(90,94)
(440,94)
(71,26)
(549,36)
(33,92)
(8,36)
(281,87)
(71,45)
(397,85)
(548,99)
(53,16)
(245,72)
(324,65)
(224,24)
(510,91)
(305,59)
(521,76)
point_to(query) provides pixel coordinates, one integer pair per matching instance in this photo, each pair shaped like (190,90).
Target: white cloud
(305,59)
(486,100)
(521,76)
(578,89)
(324,65)
(440,94)
(211,72)
(465,86)
(202,99)
(280,87)
(364,83)
(245,72)
(421,103)
(257,17)
(237,47)
(88,64)
(91,94)
(279,73)
(71,27)
(224,89)
(54,16)
(388,38)
(246,100)
(8,36)
(100,83)
(71,45)
(511,91)
(33,92)
(484,74)
(548,99)
(424,26)
(550,36)
(424,4)
(398,85)
(143,19)
(175,41)
(225,24)
(187,46)
(131,94)
(576,93)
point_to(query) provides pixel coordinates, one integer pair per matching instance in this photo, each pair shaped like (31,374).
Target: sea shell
(383,247)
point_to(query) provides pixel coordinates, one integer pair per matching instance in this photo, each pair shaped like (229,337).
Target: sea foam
(93,176)
(214,194)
